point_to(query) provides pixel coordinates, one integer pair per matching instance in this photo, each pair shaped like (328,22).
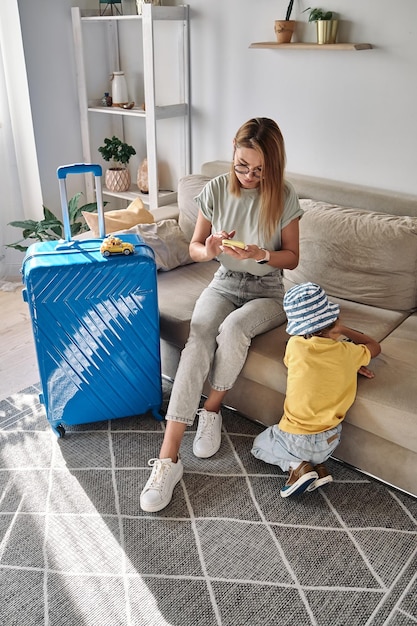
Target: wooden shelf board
(164,196)
(311,46)
(118,111)
(161,112)
(158,13)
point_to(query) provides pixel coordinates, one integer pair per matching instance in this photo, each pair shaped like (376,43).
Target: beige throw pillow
(120,219)
(188,188)
(358,255)
(166,240)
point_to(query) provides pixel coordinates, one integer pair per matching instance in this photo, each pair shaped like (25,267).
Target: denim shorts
(277,447)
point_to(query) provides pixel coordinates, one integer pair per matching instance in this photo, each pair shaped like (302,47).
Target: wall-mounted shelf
(312,46)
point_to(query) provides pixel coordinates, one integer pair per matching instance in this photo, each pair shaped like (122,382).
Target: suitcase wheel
(59,431)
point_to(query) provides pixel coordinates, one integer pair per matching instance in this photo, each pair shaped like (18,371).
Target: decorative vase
(327,31)
(284,30)
(119,89)
(106,100)
(117,179)
(142,180)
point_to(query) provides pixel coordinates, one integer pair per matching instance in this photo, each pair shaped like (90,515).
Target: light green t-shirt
(228,212)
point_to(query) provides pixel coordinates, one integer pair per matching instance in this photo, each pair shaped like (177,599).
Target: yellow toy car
(114,245)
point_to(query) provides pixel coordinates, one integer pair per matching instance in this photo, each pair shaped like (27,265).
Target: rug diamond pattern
(75,546)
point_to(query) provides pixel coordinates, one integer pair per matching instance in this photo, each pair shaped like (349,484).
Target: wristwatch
(266,257)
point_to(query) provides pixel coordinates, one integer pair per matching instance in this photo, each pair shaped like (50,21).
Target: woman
(255,205)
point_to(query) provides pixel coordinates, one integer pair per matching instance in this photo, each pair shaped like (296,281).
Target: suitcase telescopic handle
(80,168)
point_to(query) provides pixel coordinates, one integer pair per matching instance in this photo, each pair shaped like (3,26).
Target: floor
(72,534)
(18,366)
(76,549)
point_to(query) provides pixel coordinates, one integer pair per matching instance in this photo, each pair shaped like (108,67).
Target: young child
(321,387)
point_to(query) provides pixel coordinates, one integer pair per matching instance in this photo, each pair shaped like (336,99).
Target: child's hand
(364,371)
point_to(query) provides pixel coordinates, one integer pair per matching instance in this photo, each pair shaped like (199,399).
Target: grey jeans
(233,309)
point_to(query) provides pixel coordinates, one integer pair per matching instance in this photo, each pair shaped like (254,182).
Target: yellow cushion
(120,219)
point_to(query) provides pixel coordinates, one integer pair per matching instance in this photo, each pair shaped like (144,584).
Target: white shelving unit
(153,51)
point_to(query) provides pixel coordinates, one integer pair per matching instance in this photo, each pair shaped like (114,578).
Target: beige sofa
(356,243)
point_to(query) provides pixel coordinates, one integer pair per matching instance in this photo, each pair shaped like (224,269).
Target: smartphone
(232,243)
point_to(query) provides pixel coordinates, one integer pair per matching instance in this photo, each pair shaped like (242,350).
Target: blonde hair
(263,135)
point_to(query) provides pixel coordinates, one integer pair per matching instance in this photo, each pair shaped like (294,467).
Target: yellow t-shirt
(322,382)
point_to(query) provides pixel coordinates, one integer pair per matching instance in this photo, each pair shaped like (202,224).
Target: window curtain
(19,172)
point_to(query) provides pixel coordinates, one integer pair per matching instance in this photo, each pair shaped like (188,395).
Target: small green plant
(318,14)
(289,11)
(51,227)
(116,151)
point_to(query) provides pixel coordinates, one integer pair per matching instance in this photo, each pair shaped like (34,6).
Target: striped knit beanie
(308,309)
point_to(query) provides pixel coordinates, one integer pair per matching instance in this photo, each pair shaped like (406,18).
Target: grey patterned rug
(75,548)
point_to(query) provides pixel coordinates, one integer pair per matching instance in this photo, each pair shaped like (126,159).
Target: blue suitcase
(95,322)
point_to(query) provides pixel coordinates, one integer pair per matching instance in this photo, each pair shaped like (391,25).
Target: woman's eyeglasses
(245,170)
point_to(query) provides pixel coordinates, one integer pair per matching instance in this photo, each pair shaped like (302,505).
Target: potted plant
(118,153)
(284,29)
(51,227)
(317,15)
(326,25)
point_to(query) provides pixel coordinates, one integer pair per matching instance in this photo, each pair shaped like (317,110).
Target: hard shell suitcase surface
(95,323)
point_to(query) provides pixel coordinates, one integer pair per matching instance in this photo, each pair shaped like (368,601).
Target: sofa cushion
(120,218)
(188,188)
(166,240)
(359,255)
(386,405)
(177,294)
(215,168)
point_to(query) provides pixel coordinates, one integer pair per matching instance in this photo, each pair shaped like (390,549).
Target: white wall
(347,116)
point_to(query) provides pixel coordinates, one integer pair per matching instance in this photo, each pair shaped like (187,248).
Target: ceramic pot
(327,31)
(284,30)
(117,179)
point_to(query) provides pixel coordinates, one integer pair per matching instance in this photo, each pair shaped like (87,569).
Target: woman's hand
(205,245)
(250,251)
(287,257)
(213,242)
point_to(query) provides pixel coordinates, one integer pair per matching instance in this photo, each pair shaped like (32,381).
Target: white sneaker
(157,492)
(209,434)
